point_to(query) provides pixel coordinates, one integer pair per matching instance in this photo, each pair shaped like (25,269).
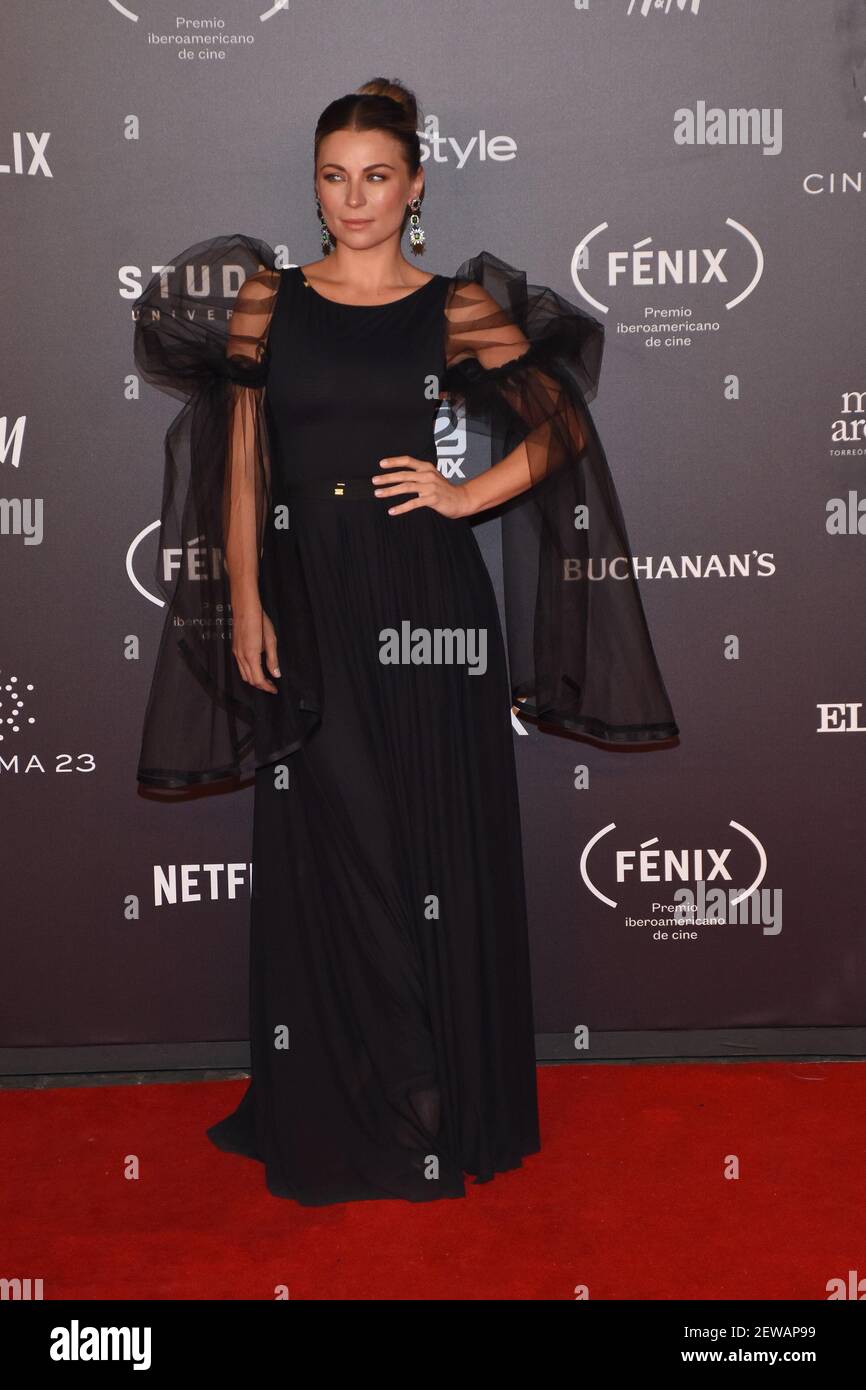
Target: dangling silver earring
(416,232)
(326,235)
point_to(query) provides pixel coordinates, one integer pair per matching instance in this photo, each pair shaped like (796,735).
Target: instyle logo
(480,147)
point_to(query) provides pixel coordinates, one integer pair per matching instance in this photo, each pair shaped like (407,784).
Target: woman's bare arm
(246,485)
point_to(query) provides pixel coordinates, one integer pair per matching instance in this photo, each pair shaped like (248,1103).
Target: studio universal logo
(694,868)
(643,265)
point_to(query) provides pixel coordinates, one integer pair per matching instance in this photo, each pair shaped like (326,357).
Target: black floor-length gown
(391,1021)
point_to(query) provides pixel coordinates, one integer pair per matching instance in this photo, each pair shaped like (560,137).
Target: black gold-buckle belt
(353,489)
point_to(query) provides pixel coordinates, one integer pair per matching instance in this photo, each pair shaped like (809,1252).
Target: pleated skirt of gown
(391,1021)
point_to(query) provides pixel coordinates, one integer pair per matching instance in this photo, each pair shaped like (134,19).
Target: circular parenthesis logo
(268,14)
(750,239)
(130,564)
(606,830)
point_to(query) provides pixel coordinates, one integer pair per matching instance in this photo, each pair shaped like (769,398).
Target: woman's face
(363,184)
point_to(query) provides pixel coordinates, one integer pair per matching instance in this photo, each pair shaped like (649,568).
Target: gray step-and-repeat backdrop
(692,172)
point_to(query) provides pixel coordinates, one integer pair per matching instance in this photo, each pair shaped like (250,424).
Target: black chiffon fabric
(391,1024)
(580,655)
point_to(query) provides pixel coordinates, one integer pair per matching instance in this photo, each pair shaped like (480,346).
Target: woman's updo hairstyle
(381,104)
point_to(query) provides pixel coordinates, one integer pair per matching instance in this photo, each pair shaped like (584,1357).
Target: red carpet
(628,1196)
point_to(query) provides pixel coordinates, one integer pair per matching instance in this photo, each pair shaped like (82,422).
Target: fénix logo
(28,154)
(645,266)
(650,862)
(196,560)
(203,28)
(87,1343)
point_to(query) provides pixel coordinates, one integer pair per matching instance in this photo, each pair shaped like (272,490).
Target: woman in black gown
(333,627)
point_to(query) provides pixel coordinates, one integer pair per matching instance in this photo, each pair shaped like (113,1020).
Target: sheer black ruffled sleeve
(201,334)
(526,362)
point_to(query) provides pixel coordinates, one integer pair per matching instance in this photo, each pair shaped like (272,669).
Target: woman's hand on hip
(423,478)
